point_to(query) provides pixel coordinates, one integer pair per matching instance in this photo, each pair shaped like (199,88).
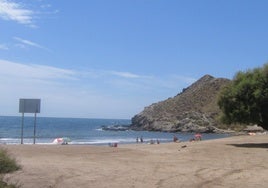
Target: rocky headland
(195,109)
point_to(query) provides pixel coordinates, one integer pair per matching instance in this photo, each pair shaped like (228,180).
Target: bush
(7,164)
(5,185)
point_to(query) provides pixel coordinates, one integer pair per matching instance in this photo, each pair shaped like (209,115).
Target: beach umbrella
(63,140)
(57,141)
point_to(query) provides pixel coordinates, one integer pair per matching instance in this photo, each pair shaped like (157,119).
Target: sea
(80,131)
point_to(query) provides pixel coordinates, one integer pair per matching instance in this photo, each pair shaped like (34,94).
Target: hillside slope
(193,110)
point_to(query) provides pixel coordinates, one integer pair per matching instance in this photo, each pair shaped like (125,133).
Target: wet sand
(240,161)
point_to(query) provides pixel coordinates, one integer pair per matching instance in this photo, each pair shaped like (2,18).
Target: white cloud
(55,86)
(74,93)
(33,75)
(44,6)
(16,12)
(20,45)
(21,71)
(3,47)
(125,74)
(148,83)
(24,42)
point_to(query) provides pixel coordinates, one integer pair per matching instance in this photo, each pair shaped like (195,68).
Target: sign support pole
(22,125)
(34,128)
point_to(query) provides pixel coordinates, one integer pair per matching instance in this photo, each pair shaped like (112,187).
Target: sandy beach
(240,161)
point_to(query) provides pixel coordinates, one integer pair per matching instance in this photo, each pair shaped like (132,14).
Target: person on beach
(137,140)
(175,138)
(151,141)
(192,140)
(198,137)
(141,139)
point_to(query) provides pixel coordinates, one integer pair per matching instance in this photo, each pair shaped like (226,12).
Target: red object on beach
(198,136)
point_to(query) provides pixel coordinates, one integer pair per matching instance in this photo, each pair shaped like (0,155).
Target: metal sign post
(34,128)
(29,106)
(22,125)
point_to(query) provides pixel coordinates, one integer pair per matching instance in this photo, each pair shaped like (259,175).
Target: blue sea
(80,131)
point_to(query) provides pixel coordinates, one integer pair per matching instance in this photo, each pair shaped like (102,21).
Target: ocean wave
(49,141)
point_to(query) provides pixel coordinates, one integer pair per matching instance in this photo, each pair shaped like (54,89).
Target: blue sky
(111,58)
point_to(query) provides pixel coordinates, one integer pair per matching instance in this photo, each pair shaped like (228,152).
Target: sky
(112,58)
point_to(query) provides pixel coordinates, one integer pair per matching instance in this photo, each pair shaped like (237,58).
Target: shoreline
(237,161)
(119,144)
(183,137)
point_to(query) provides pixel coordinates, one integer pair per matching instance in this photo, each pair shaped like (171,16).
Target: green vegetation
(5,185)
(7,165)
(245,99)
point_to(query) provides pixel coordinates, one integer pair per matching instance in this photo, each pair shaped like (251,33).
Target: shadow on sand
(251,145)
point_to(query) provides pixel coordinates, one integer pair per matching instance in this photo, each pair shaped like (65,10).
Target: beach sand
(240,161)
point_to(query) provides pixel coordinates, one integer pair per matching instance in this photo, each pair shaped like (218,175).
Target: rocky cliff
(195,109)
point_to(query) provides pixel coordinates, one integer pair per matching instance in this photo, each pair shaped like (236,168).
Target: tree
(245,99)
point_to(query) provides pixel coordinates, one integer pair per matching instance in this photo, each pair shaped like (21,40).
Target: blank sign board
(29,105)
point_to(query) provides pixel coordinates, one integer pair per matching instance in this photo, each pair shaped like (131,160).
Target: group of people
(139,139)
(112,144)
(197,137)
(151,141)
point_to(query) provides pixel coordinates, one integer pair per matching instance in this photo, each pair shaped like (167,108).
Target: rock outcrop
(195,109)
